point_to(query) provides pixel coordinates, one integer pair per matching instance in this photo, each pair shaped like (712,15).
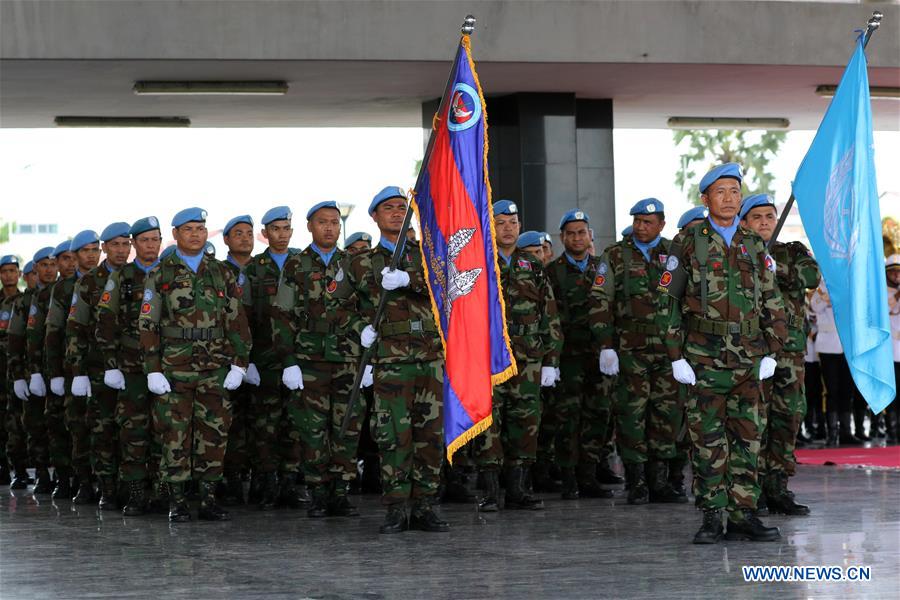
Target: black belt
(132,343)
(640,327)
(523,328)
(193,333)
(405,327)
(722,328)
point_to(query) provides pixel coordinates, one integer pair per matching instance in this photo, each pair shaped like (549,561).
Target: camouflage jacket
(55,328)
(82,352)
(262,275)
(118,310)
(572,290)
(314,310)
(6,312)
(796,271)
(192,321)
(532,319)
(36,328)
(407,332)
(16,344)
(628,312)
(744,318)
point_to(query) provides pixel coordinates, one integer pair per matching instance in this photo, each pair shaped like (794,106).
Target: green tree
(703,149)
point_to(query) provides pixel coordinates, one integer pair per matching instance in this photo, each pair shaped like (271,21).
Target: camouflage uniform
(312,318)
(34,417)
(15,450)
(192,328)
(723,334)
(240,439)
(54,359)
(409,375)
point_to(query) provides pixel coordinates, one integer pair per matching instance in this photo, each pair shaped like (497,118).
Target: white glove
(252,376)
(292,378)
(158,384)
(36,385)
(766,367)
(367,378)
(368,336)
(548,376)
(609,362)
(114,379)
(234,378)
(683,372)
(558,374)
(391,280)
(58,386)
(20,387)
(81,386)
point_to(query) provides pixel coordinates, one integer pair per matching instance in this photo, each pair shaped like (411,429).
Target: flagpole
(467,29)
(872,24)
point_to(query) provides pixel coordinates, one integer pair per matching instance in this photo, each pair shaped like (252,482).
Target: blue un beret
(505,207)
(189,215)
(547,237)
(576,214)
(627,231)
(279,213)
(732,170)
(143,225)
(167,251)
(239,219)
(391,191)
(359,236)
(321,205)
(29,267)
(647,206)
(752,202)
(46,252)
(114,230)
(9,259)
(83,238)
(530,238)
(698,212)
(62,247)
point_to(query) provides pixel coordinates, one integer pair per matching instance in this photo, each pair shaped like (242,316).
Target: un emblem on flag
(841,227)
(465,108)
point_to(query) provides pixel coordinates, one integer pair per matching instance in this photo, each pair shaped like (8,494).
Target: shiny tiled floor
(582,549)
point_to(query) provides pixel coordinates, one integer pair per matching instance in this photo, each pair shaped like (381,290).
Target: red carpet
(888,457)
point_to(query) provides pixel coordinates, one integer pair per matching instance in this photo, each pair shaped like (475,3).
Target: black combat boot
(676,475)
(588,485)
(636,483)
(762,503)
(5,478)
(711,530)
(606,475)
(210,510)
(541,479)
(269,491)
(232,489)
(859,417)
(660,490)
(456,488)
(288,493)
(781,499)
(395,520)
(107,493)
(425,516)
(569,484)
(339,504)
(847,438)
(517,496)
(833,438)
(178,508)
(137,499)
(20,481)
(743,525)
(490,502)
(318,508)
(158,503)
(63,489)
(85,493)
(42,482)
(256,487)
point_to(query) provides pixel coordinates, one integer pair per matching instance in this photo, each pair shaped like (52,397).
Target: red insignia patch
(71,310)
(165,287)
(744,250)
(104,298)
(220,293)
(666,279)
(717,265)
(316,276)
(663,258)
(524,264)
(599,280)
(331,287)
(31,321)
(145,308)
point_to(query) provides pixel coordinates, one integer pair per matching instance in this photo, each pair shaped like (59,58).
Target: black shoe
(711,530)
(490,502)
(5,478)
(569,484)
(232,490)
(456,490)
(588,484)
(256,488)
(209,504)
(425,517)
(517,497)
(782,499)
(178,508)
(606,476)
(762,504)
(63,489)
(636,483)
(541,479)
(137,499)
(85,493)
(340,506)
(396,520)
(657,472)
(318,508)
(750,528)
(269,491)
(42,482)
(290,493)
(107,493)
(20,481)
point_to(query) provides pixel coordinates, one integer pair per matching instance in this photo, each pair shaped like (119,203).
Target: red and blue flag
(453,203)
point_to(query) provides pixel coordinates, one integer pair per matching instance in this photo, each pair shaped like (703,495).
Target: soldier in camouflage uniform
(118,341)
(629,317)
(784,394)
(11,441)
(408,370)
(196,346)
(312,316)
(238,236)
(357,242)
(84,357)
(536,339)
(277,457)
(727,322)
(583,402)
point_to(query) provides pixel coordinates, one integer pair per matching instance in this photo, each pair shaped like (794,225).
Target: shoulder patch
(602,269)
(33,310)
(666,279)
(770,263)
(671,265)
(110,285)
(340,275)
(74,298)
(524,264)
(599,280)
(148,295)
(242,279)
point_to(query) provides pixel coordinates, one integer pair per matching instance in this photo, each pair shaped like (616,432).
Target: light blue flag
(838,201)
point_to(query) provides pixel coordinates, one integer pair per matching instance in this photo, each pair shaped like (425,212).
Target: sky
(87,178)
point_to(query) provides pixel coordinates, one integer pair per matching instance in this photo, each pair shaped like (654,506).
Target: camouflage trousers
(275,450)
(785,402)
(139,447)
(79,433)
(723,419)
(104,434)
(4,433)
(316,413)
(59,439)
(193,421)
(240,438)
(516,415)
(581,410)
(547,430)
(35,424)
(647,410)
(16,447)
(408,427)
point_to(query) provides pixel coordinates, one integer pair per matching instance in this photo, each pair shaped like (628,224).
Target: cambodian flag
(453,203)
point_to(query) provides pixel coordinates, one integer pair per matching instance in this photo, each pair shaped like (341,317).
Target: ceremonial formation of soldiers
(148,384)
